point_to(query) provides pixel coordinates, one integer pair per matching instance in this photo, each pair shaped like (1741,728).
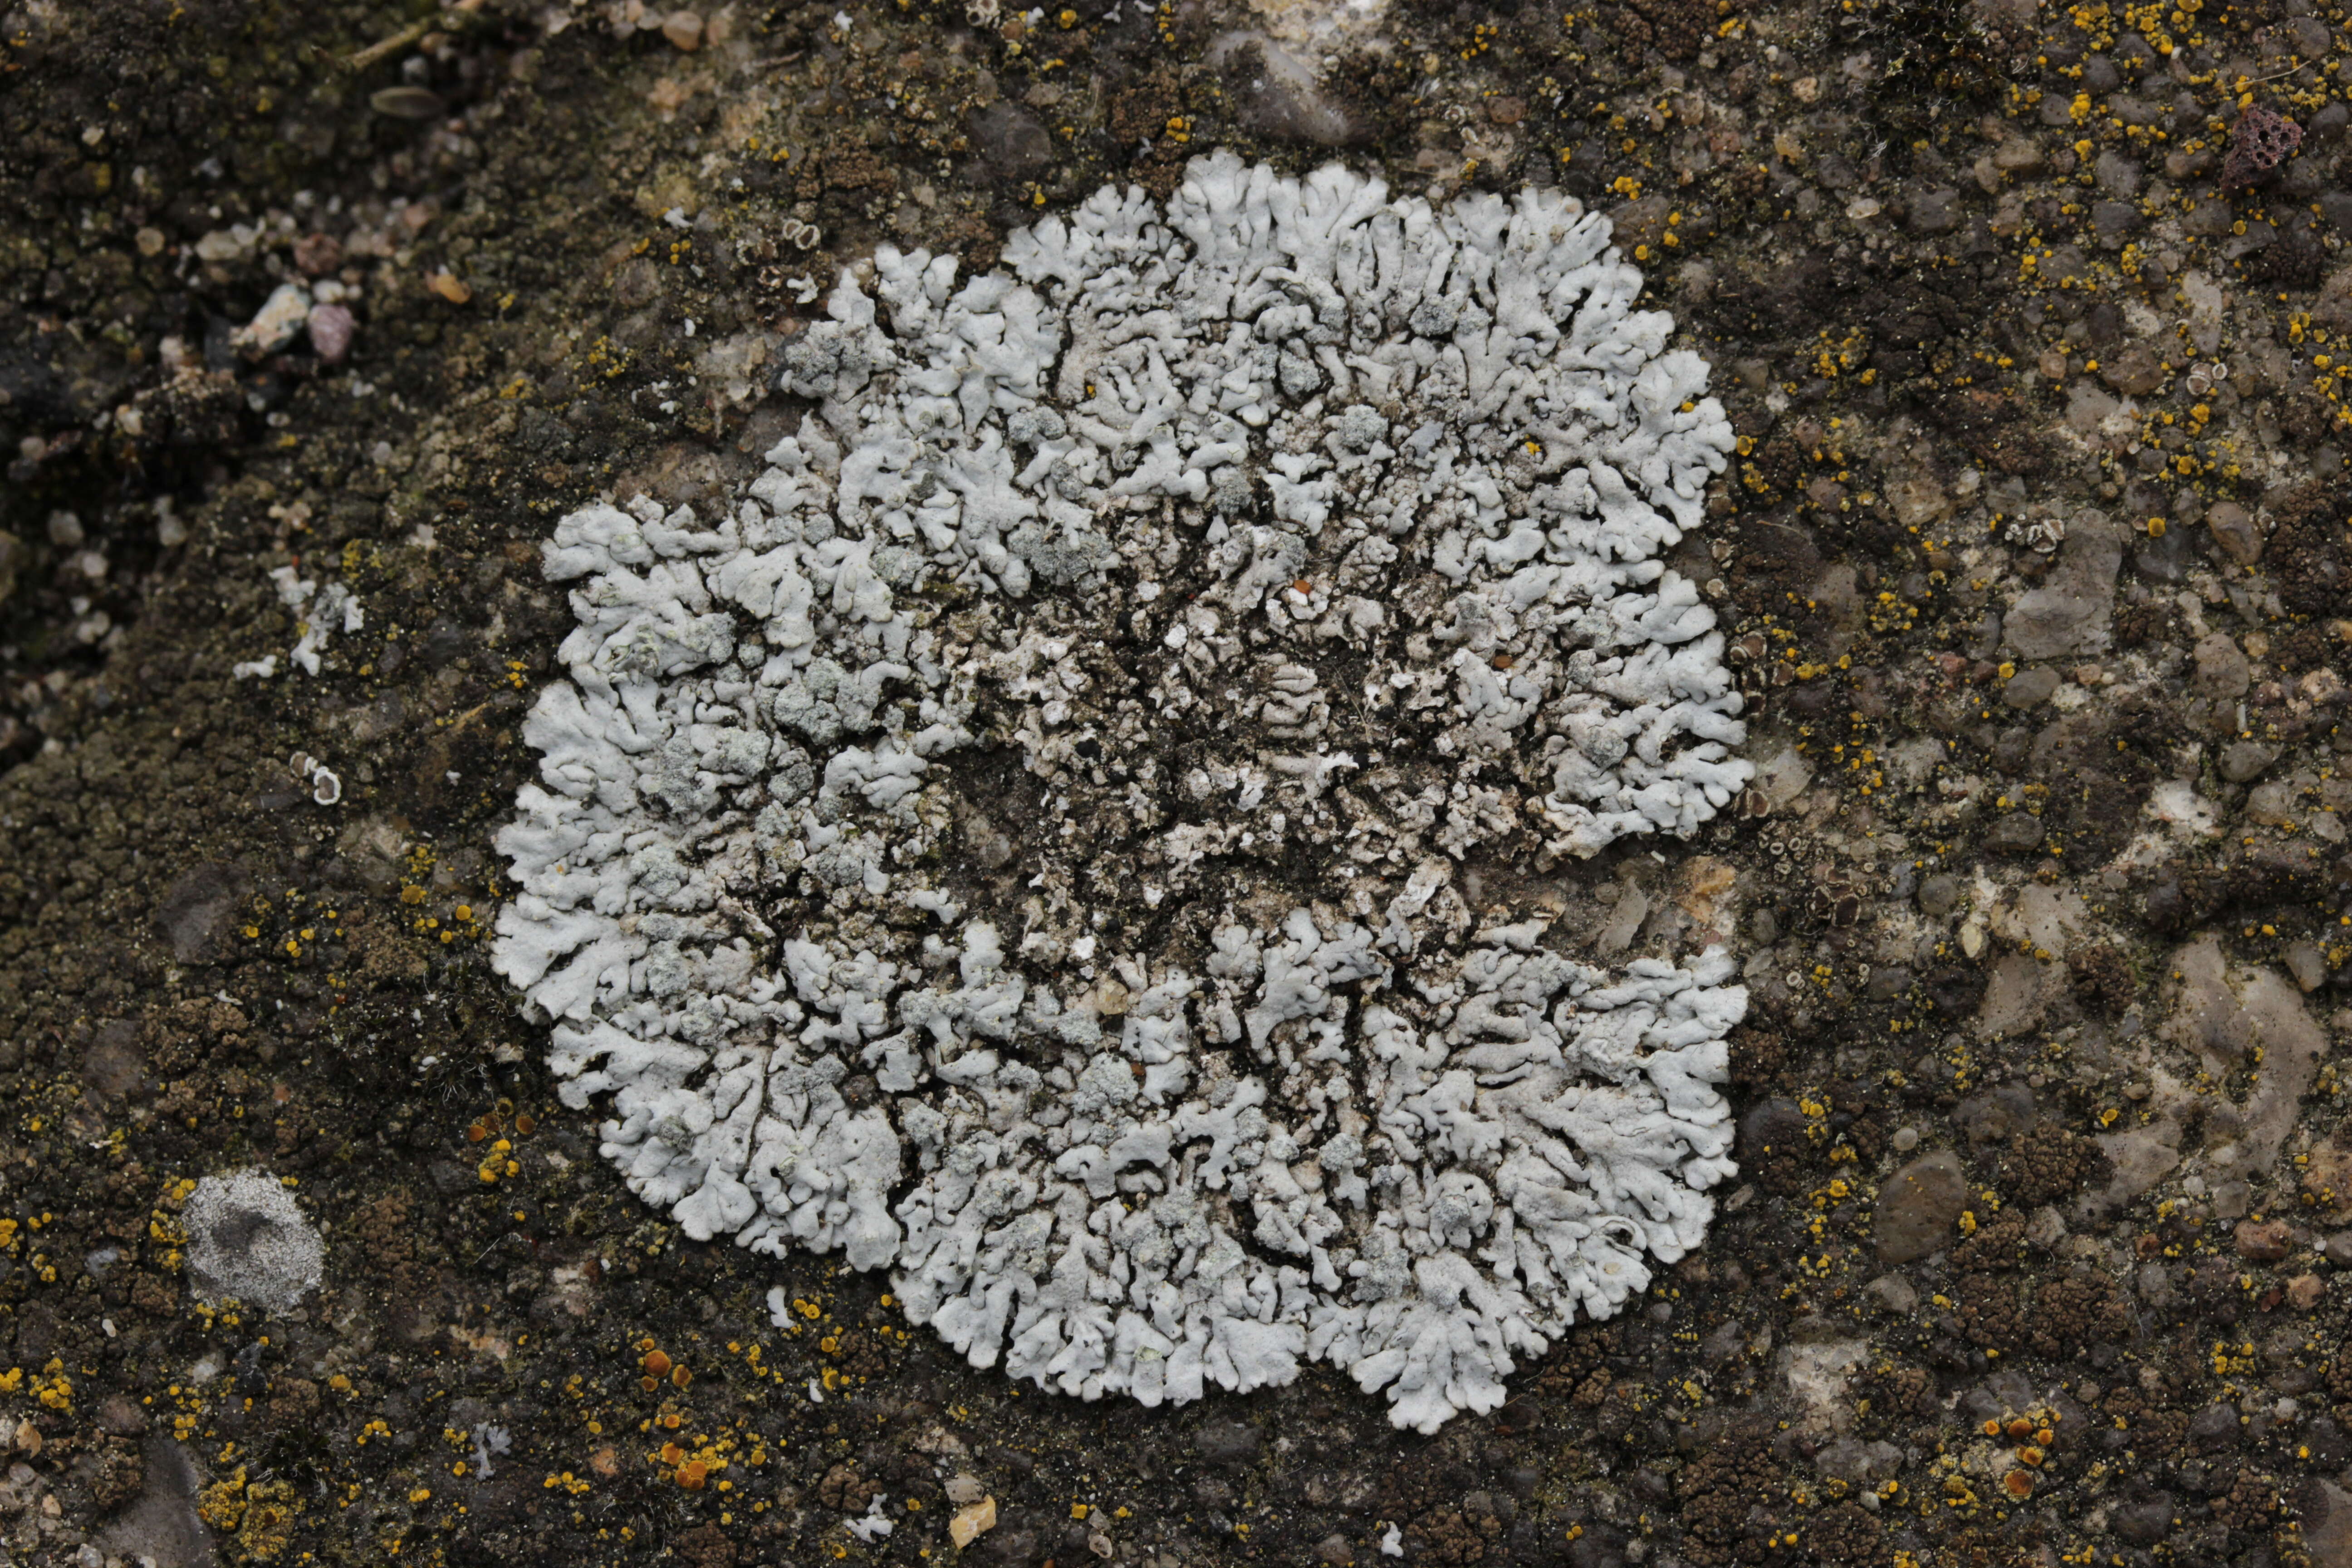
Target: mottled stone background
(2032,322)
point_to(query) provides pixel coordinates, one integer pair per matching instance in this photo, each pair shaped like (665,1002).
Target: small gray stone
(1936,210)
(2214,1427)
(1728,1341)
(2232,1199)
(2154,1283)
(1894,1292)
(1939,895)
(1857,1463)
(2338,1249)
(2114,220)
(2137,371)
(2211,218)
(1918,1206)
(2221,668)
(2031,688)
(196,908)
(1887,981)
(1277,94)
(2258,235)
(2308,966)
(2017,833)
(2242,761)
(2068,613)
(1226,1442)
(2118,175)
(2143,1523)
(2021,992)
(2234,531)
(1011,140)
(1996,1115)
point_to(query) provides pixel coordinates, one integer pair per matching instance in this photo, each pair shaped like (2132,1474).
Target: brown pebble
(1507,110)
(2262,1241)
(2306,1292)
(2235,531)
(318,254)
(683,28)
(447,285)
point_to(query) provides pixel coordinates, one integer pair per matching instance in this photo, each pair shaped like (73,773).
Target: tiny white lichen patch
(318,614)
(249,1241)
(1044,795)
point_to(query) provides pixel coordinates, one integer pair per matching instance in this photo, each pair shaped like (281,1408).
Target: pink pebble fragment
(331,326)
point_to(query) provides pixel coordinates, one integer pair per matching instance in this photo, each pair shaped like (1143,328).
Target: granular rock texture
(1227,577)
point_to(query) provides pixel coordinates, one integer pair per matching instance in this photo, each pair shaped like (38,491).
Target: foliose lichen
(1061,783)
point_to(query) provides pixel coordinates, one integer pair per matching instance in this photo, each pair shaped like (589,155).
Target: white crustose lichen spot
(1059,786)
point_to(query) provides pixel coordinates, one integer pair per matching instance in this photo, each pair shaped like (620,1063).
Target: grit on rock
(1262,921)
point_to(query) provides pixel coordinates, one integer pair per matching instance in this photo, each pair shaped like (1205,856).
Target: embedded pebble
(1917,1207)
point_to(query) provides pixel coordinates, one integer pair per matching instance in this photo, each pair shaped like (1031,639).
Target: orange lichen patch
(1304,587)
(692,1474)
(1992,1428)
(2029,1457)
(476,1132)
(672,1455)
(679,1377)
(2019,1428)
(656,1363)
(647,1384)
(526,1124)
(646,1345)
(2018,1484)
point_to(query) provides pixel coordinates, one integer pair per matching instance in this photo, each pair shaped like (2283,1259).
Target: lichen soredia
(1068,791)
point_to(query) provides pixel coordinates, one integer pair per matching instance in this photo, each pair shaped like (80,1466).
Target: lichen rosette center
(1024,841)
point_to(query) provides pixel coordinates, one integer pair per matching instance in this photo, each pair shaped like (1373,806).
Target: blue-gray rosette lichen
(1022,842)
